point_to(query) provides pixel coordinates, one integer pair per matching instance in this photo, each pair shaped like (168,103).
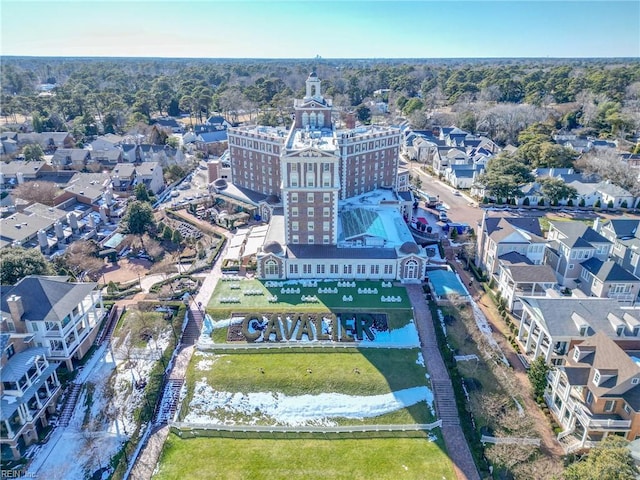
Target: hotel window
(326,167)
(326,179)
(306,268)
(361,269)
(388,269)
(294,179)
(311,179)
(310,212)
(295,239)
(310,226)
(294,211)
(326,226)
(294,226)
(375,269)
(325,240)
(310,198)
(326,212)
(294,167)
(346,269)
(293,268)
(311,240)
(333,269)
(294,197)
(609,405)
(326,197)
(320,269)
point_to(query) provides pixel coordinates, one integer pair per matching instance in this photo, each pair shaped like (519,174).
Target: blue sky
(303,29)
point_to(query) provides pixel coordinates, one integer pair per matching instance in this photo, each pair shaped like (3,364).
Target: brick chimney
(350,120)
(15,307)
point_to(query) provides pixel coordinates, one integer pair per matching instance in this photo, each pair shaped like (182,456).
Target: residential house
(571,243)
(130,153)
(170,124)
(86,188)
(49,141)
(150,173)
(18,172)
(218,122)
(595,394)
(625,236)
(123,177)
(108,157)
(70,158)
(550,327)
(35,227)
(500,235)
(212,143)
(447,156)
(63,317)
(461,176)
(518,276)
(8,143)
(613,195)
(608,280)
(110,141)
(163,154)
(28,392)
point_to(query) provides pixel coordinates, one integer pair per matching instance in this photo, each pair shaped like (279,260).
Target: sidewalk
(454,439)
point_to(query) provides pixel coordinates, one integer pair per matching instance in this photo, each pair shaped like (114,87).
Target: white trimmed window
(596,377)
(310,198)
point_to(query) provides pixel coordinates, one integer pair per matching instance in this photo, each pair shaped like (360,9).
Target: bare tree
(80,259)
(40,192)
(608,165)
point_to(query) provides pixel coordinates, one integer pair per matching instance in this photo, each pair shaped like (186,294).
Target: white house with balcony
(595,394)
(62,316)
(28,392)
(549,327)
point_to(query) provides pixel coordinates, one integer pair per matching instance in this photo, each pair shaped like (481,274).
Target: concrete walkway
(150,454)
(454,439)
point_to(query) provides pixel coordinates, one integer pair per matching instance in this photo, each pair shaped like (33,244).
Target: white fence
(511,440)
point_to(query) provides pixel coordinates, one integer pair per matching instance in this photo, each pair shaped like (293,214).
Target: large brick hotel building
(331,196)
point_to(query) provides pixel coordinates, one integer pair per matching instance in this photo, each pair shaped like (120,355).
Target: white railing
(510,440)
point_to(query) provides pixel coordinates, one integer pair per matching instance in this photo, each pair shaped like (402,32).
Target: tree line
(112,95)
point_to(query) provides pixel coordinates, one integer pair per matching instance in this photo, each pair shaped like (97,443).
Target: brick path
(454,439)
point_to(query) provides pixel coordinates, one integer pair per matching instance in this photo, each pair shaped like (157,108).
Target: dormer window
(635,381)
(596,378)
(583,330)
(620,330)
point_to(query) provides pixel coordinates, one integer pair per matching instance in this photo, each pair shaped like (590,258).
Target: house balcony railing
(622,297)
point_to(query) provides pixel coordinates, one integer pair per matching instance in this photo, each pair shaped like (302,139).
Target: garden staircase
(170,399)
(70,405)
(447,410)
(194,327)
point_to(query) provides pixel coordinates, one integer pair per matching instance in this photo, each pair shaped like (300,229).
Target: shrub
(541,202)
(525,202)
(624,204)
(570,203)
(598,203)
(610,204)
(581,203)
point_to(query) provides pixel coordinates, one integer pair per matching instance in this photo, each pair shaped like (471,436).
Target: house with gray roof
(595,394)
(500,235)
(550,327)
(607,279)
(518,276)
(70,158)
(29,388)
(625,236)
(571,243)
(150,173)
(614,195)
(62,316)
(18,172)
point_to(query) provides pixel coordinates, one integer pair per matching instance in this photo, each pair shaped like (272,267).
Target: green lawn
(246,459)
(332,371)
(293,302)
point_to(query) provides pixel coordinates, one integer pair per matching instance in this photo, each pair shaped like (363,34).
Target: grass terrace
(353,459)
(293,301)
